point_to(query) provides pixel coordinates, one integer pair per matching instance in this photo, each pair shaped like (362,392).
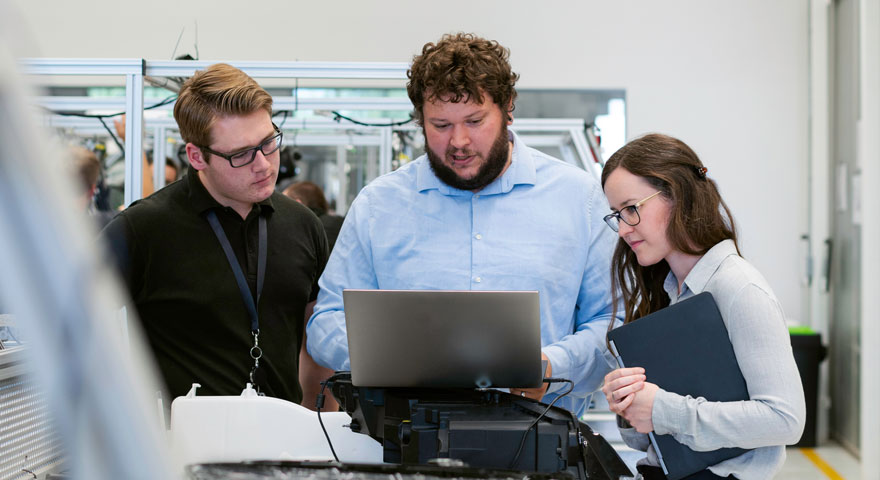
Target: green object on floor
(801,330)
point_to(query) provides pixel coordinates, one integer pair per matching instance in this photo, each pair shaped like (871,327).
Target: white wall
(869,160)
(727,77)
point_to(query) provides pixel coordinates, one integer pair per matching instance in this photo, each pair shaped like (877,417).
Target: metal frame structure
(567,134)
(135,71)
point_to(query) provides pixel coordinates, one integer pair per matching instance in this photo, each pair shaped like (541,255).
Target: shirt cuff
(634,439)
(556,355)
(668,412)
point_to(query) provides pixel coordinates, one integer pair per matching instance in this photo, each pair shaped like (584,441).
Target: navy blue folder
(684,349)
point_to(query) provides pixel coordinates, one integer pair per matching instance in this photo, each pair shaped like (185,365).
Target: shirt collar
(201,199)
(703,270)
(520,171)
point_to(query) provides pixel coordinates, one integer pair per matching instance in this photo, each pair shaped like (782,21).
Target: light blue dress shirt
(537,227)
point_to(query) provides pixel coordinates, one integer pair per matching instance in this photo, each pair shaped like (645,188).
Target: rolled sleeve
(775,412)
(634,439)
(350,266)
(583,356)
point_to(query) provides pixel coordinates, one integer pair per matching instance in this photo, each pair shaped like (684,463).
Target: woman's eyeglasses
(629,215)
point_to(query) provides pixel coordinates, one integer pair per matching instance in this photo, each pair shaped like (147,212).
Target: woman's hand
(620,385)
(641,406)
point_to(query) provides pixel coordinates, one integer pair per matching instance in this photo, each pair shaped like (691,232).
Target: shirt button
(478,279)
(478,236)
(476,196)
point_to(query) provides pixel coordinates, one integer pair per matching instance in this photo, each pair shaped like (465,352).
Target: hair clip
(701,171)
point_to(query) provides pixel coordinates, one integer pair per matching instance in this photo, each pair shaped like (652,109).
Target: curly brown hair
(699,218)
(460,67)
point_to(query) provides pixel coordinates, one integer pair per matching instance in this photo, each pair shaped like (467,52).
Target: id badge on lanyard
(257,376)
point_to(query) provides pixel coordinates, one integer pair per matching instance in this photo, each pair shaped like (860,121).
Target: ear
(195,157)
(509,112)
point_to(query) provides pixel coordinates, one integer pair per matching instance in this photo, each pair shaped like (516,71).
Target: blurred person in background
(311,195)
(88,171)
(114,172)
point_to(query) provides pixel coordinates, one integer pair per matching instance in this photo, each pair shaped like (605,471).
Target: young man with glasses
(479,211)
(220,267)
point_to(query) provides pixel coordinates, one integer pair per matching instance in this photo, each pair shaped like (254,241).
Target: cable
(338,116)
(320,403)
(165,101)
(12,335)
(522,441)
(112,135)
(284,114)
(174,52)
(196,42)
(101,117)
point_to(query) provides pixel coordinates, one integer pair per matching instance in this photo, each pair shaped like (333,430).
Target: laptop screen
(443,338)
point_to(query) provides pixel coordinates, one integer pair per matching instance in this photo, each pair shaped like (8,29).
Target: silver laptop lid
(443,338)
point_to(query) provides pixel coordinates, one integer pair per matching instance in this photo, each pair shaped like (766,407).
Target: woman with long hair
(678,239)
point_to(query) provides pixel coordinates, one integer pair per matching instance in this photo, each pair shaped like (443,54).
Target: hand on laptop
(536,393)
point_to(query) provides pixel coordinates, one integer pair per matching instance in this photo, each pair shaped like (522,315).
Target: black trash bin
(808,353)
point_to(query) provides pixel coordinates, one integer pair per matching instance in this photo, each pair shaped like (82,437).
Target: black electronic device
(483,428)
(312,470)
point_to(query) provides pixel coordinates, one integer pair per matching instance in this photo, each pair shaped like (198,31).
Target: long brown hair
(698,220)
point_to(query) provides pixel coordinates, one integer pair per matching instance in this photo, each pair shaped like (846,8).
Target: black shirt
(188,301)
(332,225)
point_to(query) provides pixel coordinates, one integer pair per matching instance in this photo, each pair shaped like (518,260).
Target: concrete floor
(829,461)
(843,464)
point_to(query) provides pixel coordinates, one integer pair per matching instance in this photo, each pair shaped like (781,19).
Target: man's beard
(490,169)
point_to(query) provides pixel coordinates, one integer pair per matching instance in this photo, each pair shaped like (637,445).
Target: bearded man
(479,211)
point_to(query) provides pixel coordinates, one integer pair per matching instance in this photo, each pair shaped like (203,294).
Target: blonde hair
(217,91)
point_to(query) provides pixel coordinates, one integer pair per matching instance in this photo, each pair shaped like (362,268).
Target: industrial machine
(477,428)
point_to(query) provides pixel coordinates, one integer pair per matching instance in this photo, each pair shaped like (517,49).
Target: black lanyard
(256,352)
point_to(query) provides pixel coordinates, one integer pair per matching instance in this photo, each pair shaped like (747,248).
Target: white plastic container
(251,427)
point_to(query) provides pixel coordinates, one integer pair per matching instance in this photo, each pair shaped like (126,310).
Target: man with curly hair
(479,211)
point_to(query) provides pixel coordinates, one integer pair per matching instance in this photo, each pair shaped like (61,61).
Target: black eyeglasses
(629,214)
(247,156)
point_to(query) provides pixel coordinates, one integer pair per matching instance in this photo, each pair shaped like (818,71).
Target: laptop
(444,338)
